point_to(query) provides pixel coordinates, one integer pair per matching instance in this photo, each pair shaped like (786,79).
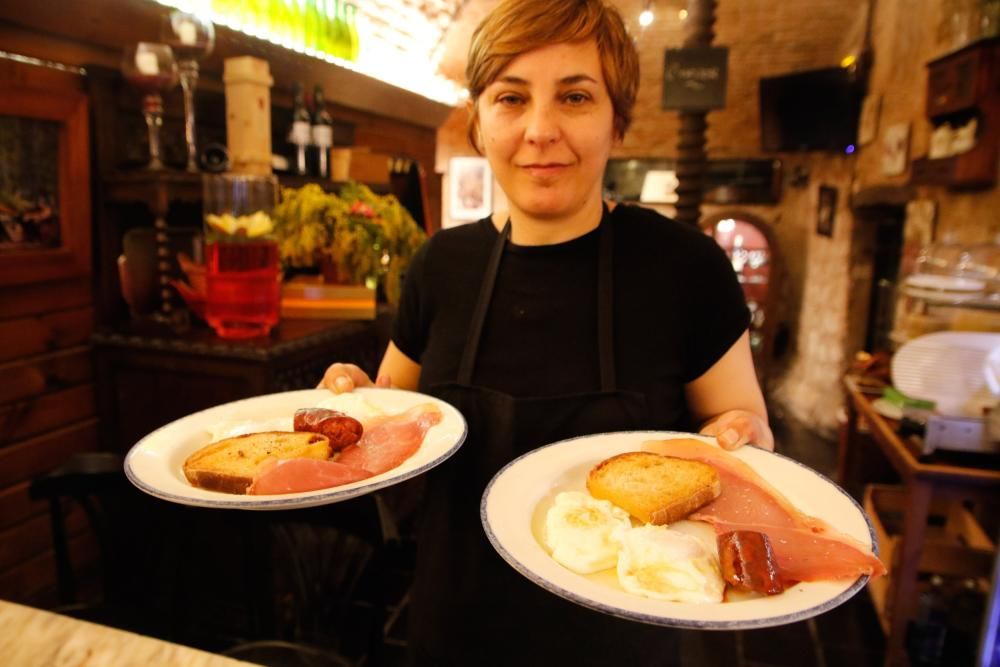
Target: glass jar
(243,274)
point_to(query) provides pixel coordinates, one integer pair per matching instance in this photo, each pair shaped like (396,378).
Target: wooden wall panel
(47,402)
(33,457)
(32,537)
(44,332)
(59,369)
(34,579)
(30,418)
(35,299)
(16,505)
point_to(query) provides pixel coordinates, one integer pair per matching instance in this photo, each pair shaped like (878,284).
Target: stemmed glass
(192,38)
(151,68)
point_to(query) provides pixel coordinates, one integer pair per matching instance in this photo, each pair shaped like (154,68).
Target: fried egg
(352,405)
(664,564)
(579,529)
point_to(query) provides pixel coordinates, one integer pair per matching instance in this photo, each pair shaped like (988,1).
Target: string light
(646,17)
(682,14)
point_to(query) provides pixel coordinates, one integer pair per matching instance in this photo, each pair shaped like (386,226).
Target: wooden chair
(136,565)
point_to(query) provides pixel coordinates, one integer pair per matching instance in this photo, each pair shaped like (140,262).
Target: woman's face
(546,126)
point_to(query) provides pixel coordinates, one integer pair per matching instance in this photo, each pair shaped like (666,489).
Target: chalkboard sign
(694,78)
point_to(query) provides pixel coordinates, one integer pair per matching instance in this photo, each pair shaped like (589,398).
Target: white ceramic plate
(516,501)
(949,368)
(154,463)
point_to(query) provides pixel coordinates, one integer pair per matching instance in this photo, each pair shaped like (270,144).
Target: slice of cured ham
(805,547)
(301,474)
(388,441)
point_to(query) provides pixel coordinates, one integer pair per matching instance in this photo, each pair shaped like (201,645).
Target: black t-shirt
(678,308)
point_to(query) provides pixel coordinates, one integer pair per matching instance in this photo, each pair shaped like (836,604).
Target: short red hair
(515,27)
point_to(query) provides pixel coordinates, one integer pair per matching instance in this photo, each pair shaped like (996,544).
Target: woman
(563,316)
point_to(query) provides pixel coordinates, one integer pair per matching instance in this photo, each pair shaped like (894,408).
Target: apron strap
(482,307)
(605,306)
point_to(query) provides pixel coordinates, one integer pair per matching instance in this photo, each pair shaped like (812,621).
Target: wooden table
(923,481)
(31,636)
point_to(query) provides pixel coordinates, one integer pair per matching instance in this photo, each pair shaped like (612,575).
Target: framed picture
(470,188)
(44,185)
(895,149)
(826,210)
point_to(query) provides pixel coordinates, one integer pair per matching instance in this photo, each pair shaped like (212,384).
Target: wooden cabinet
(147,381)
(962,87)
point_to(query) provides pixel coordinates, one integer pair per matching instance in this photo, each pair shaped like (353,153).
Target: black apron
(469,607)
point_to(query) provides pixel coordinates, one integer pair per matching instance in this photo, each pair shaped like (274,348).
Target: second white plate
(515,503)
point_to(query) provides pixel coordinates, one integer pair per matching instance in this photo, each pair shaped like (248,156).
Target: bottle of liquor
(322,132)
(299,135)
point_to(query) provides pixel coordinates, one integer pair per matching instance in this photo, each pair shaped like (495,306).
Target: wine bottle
(322,132)
(300,132)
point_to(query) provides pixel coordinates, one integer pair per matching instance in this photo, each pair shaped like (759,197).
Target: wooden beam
(692,160)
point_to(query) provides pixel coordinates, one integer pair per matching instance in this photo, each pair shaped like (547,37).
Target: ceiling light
(398,44)
(646,17)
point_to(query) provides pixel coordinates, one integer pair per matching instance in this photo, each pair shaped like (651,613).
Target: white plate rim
(297,500)
(653,619)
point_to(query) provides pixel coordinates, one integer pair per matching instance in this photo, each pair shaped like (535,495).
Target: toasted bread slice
(654,488)
(230,465)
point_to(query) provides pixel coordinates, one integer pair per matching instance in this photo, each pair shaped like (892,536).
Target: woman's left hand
(735,428)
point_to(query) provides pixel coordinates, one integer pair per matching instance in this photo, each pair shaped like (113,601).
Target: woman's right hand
(342,378)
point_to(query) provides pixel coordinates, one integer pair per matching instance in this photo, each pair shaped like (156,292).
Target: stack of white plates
(955,369)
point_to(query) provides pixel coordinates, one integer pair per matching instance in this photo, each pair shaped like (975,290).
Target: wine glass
(192,38)
(151,68)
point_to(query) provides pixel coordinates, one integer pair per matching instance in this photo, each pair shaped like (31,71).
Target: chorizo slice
(343,431)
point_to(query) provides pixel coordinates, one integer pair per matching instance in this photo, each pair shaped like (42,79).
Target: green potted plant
(356,237)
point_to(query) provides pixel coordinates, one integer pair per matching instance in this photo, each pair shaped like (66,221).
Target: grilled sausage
(748,562)
(342,430)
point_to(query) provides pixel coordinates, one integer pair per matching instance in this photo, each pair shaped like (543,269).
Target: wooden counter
(895,596)
(34,637)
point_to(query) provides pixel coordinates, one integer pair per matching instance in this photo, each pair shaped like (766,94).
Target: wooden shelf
(959,548)
(973,169)
(147,186)
(961,80)
(962,86)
